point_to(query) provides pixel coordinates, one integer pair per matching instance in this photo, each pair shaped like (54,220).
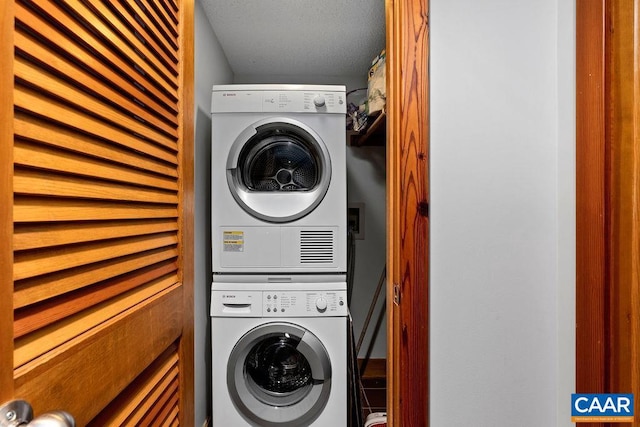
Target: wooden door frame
(591,236)
(608,197)
(407,212)
(6,199)
(187,214)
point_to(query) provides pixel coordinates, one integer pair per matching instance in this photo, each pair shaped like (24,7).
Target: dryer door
(278,170)
(279,374)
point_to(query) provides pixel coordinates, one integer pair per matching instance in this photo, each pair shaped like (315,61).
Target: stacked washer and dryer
(279,293)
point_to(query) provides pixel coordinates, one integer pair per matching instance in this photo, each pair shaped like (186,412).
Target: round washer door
(279,374)
(278,170)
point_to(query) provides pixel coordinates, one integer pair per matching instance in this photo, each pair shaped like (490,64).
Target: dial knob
(319,101)
(321,304)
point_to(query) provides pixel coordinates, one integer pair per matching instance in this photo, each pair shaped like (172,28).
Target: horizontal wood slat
(94,85)
(125,410)
(161,23)
(138,11)
(40,315)
(30,209)
(168,18)
(41,157)
(44,132)
(110,40)
(34,263)
(171,11)
(142,30)
(40,288)
(34,19)
(47,235)
(44,82)
(65,116)
(161,413)
(128,32)
(144,414)
(94,63)
(141,334)
(35,183)
(43,340)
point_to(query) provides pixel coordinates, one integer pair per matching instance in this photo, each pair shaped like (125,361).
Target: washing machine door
(278,169)
(279,374)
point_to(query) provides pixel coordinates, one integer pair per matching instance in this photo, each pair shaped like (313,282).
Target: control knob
(321,304)
(319,101)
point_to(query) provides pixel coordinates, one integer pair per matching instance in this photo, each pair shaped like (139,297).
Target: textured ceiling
(298,37)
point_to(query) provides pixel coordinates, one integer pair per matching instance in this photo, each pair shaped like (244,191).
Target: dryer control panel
(279,99)
(277,303)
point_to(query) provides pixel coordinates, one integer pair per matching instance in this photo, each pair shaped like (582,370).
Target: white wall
(351,81)
(366,175)
(211,67)
(502,212)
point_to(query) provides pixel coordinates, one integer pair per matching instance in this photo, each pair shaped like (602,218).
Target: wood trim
(6,200)
(608,197)
(187,214)
(634,235)
(393,42)
(624,147)
(591,227)
(408,211)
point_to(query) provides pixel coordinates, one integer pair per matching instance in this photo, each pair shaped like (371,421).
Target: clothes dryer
(278,179)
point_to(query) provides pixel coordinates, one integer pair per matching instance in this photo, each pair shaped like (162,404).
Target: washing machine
(278,179)
(279,354)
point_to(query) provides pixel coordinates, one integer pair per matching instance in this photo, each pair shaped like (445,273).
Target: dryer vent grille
(316,246)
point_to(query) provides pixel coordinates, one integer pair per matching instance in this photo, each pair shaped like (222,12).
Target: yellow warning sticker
(233,241)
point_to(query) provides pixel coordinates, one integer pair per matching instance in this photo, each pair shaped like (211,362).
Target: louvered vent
(316,246)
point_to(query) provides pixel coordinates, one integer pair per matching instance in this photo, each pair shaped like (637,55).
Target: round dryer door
(279,374)
(278,170)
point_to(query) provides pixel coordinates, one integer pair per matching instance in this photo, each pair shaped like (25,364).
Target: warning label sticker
(233,241)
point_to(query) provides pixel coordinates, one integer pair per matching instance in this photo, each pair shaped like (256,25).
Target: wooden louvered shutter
(99,160)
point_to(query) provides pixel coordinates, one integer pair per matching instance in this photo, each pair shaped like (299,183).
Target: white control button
(319,101)
(321,304)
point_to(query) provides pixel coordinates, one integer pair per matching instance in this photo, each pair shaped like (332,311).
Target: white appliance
(278,179)
(279,354)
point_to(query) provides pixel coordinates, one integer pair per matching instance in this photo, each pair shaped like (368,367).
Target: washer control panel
(304,303)
(278,303)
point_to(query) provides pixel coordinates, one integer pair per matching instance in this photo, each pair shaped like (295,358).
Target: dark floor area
(374,386)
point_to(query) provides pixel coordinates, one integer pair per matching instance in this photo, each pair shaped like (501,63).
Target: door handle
(18,413)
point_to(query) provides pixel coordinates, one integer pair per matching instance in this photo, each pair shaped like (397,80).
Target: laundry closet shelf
(374,134)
